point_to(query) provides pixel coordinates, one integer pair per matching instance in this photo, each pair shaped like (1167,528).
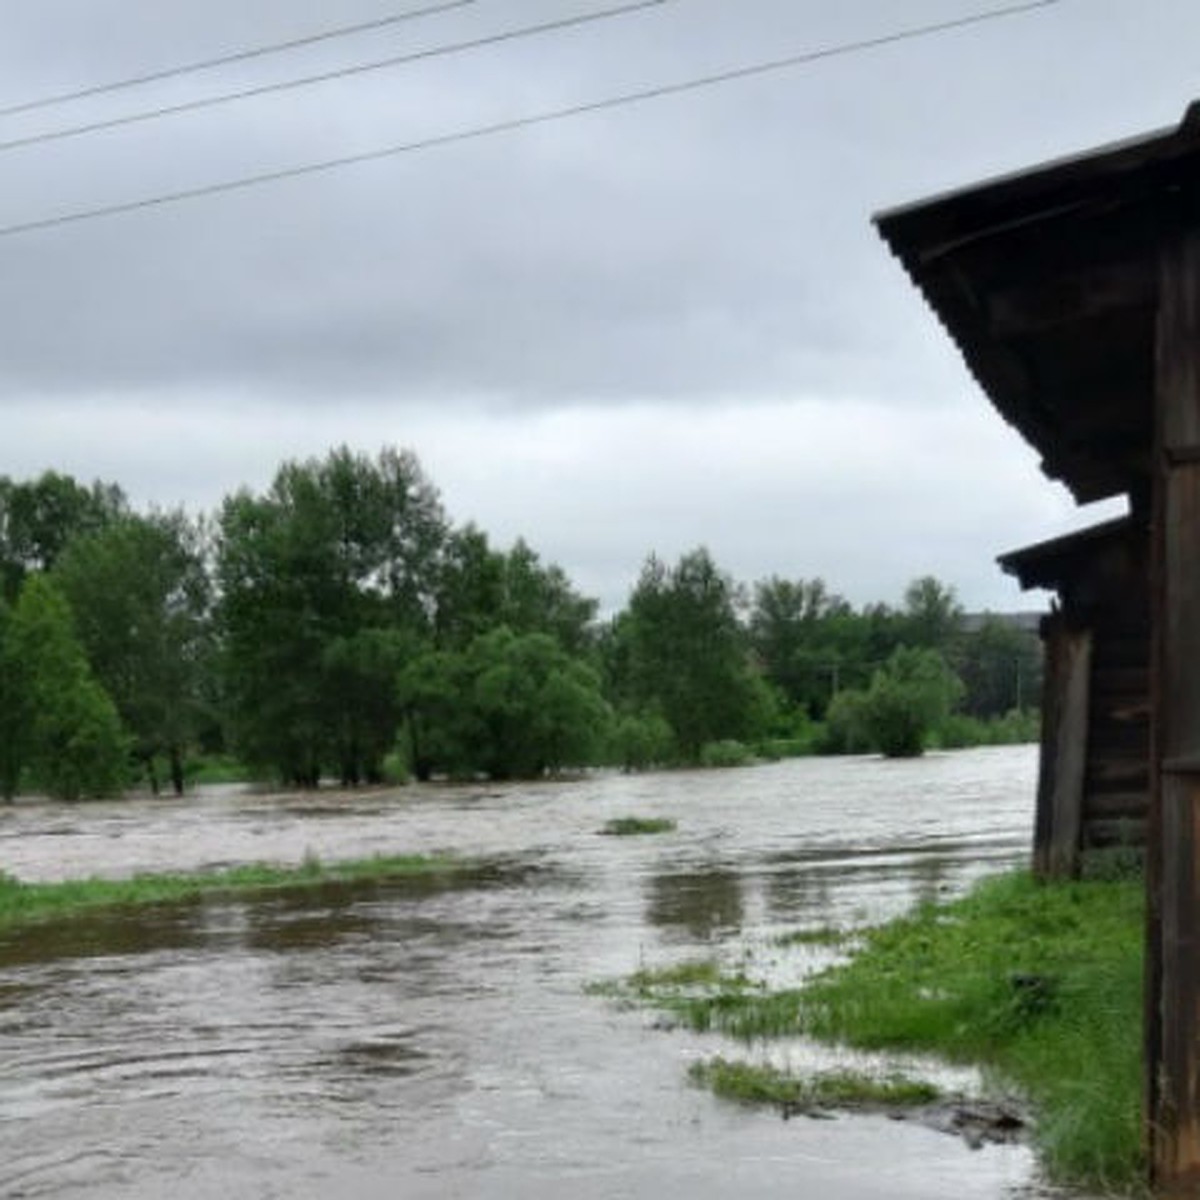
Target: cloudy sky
(645,328)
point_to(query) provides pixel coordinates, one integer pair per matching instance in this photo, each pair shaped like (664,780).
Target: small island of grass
(635,826)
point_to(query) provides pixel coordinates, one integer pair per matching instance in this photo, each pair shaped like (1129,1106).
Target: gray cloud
(705,259)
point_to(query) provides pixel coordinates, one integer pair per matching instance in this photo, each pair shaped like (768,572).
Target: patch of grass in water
(823,935)
(750,1083)
(634,826)
(23,903)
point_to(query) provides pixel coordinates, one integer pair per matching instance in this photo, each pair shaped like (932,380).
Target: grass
(1040,985)
(25,903)
(635,826)
(821,935)
(749,1083)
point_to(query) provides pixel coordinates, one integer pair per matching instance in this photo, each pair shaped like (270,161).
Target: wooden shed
(1073,292)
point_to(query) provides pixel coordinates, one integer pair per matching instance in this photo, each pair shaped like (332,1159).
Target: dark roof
(1049,564)
(1047,281)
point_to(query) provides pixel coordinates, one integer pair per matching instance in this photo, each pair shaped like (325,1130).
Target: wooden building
(1073,292)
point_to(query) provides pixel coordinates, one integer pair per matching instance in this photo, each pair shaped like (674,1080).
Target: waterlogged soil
(435,1040)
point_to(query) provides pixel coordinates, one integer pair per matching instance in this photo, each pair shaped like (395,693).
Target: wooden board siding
(1117,782)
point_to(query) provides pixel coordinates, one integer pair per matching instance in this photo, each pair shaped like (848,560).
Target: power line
(236,56)
(396,60)
(515,123)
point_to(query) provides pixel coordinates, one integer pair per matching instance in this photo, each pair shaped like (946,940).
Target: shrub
(725,753)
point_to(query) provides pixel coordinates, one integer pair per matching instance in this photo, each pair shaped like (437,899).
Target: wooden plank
(1063,764)
(1112,805)
(1075,295)
(1121,831)
(1173,1016)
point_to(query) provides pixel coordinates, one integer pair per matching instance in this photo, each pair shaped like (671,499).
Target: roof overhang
(1048,282)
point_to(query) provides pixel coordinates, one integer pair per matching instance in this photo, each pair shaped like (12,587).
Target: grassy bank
(1041,985)
(25,903)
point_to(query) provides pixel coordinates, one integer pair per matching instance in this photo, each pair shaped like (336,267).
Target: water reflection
(702,904)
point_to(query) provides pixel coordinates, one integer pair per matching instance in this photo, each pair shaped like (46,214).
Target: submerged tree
(67,732)
(509,706)
(140,592)
(336,548)
(679,649)
(908,698)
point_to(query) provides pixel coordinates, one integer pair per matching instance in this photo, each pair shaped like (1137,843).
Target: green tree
(509,706)
(481,589)
(360,674)
(140,591)
(933,617)
(642,740)
(14,710)
(679,649)
(794,628)
(1000,666)
(470,589)
(72,736)
(336,547)
(39,518)
(908,698)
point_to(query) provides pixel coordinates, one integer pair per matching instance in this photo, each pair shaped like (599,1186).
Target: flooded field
(417,1040)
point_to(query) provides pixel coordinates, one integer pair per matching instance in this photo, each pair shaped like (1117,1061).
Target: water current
(412,1040)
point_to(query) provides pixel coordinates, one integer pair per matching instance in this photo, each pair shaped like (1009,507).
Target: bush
(910,697)
(844,731)
(642,740)
(725,753)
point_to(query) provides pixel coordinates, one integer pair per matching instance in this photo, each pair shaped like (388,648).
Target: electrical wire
(525,122)
(236,56)
(493,39)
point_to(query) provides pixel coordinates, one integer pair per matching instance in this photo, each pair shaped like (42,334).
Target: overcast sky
(641,329)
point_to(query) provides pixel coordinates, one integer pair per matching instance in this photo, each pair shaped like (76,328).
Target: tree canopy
(337,624)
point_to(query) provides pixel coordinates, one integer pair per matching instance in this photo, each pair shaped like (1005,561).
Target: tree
(140,592)
(509,706)
(360,673)
(1000,666)
(70,731)
(39,518)
(794,634)
(335,548)
(913,693)
(932,616)
(481,589)
(14,711)
(680,649)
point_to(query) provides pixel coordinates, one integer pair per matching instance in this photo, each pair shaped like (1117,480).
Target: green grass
(821,935)
(749,1083)
(634,826)
(25,903)
(1039,985)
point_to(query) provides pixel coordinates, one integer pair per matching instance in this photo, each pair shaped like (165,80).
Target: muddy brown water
(434,1041)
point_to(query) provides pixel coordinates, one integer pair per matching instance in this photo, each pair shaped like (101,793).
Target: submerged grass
(633,826)
(24,903)
(1040,984)
(751,1083)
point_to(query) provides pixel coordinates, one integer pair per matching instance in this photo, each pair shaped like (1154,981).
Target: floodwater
(414,1040)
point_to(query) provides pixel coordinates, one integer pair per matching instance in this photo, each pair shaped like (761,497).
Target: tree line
(340,625)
